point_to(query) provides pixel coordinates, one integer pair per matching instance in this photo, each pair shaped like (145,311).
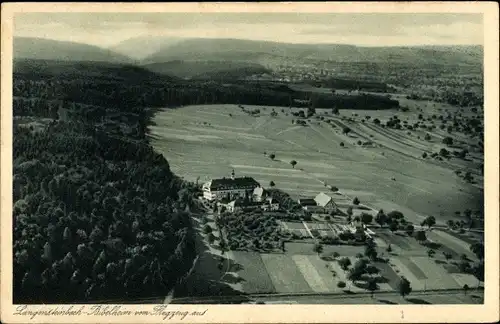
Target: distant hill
(101,70)
(207,69)
(47,49)
(141,47)
(263,51)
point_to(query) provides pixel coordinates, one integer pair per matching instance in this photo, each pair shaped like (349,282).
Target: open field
(252,269)
(315,230)
(205,142)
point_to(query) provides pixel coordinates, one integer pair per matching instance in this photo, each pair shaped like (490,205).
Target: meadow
(205,142)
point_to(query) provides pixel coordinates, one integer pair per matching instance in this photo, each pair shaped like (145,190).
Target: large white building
(229,188)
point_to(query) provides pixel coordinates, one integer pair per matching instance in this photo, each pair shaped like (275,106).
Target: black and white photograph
(249,158)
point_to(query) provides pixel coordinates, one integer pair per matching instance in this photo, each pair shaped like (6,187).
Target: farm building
(309,204)
(325,202)
(240,204)
(270,204)
(259,194)
(322,203)
(229,188)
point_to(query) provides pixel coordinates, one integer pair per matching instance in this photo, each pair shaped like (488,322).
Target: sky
(363,29)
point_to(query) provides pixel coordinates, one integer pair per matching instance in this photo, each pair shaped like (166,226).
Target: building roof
(322,199)
(242,203)
(236,183)
(307,202)
(259,191)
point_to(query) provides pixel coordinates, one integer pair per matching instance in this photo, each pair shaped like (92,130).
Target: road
(439,296)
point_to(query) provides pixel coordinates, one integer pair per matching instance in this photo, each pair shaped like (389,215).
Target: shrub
(448,140)
(341,284)
(207,229)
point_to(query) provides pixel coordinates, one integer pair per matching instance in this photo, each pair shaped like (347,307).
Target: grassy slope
(213,149)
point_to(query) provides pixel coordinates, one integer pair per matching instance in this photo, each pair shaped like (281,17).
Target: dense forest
(97,214)
(348,84)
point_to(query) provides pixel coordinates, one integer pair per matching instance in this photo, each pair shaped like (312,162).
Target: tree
(355,201)
(404,287)
(349,211)
(371,252)
(393,226)
(318,248)
(371,269)
(336,255)
(465,288)
(366,218)
(478,250)
(222,245)
(346,130)
(293,163)
(341,284)
(272,156)
(420,236)
(354,274)
(431,253)
(478,272)
(427,137)
(410,229)
(448,141)
(272,184)
(444,152)
(389,248)
(67,235)
(372,286)
(376,121)
(311,111)
(381,218)
(211,238)
(207,229)
(395,215)
(424,155)
(447,255)
(342,144)
(429,221)
(344,263)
